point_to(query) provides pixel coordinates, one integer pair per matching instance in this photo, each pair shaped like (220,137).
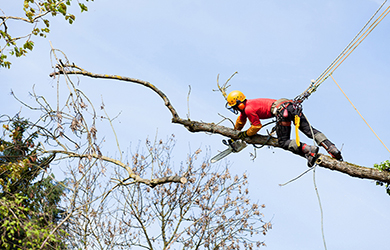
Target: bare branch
(225,86)
(132,175)
(188,101)
(80,71)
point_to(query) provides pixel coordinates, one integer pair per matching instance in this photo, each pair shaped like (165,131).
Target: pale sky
(277,47)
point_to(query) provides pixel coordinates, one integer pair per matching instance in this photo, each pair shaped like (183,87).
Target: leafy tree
(35,15)
(384,166)
(29,201)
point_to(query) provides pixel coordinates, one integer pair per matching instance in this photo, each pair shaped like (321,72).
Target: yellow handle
(297,123)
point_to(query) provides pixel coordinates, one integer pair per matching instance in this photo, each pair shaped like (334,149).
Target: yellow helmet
(235,98)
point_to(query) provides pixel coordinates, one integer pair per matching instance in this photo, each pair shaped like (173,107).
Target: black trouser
(283,128)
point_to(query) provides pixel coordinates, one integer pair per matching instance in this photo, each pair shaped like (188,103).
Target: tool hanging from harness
(279,109)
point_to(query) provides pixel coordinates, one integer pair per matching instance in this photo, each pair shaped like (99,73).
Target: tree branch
(323,160)
(79,71)
(195,126)
(152,182)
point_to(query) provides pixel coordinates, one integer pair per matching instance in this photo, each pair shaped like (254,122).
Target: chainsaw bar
(233,147)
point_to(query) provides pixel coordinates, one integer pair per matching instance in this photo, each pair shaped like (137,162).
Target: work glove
(242,135)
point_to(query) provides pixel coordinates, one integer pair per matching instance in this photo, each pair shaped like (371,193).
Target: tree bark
(195,126)
(323,160)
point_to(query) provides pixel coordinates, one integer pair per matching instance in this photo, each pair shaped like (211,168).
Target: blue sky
(277,47)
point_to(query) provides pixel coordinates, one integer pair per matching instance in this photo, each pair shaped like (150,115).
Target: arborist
(285,111)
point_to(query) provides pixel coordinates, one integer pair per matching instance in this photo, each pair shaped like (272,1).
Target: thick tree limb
(195,126)
(323,161)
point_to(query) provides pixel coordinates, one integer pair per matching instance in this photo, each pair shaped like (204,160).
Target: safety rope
(360,114)
(320,205)
(315,188)
(348,46)
(356,41)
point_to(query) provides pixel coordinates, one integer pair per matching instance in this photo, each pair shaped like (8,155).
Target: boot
(332,150)
(311,154)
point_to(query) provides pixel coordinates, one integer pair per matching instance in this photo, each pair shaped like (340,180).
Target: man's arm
(253,130)
(240,123)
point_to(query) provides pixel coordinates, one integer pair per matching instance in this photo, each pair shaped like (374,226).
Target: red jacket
(255,109)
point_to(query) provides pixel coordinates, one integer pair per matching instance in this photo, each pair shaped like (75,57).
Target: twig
(188,101)
(113,130)
(225,86)
(225,118)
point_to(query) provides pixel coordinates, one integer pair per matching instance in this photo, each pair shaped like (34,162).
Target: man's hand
(242,135)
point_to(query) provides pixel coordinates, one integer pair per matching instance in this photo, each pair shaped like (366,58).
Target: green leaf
(45,30)
(29,14)
(35,31)
(62,10)
(28,45)
(384,166)
(70,18)
(83,7)
(46,22)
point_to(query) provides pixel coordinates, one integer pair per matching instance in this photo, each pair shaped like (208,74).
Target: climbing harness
(282,113)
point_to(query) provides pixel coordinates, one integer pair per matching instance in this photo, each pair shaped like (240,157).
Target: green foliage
(83,7)
(384,166)
(35,15)
(29,202)
(20,228)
